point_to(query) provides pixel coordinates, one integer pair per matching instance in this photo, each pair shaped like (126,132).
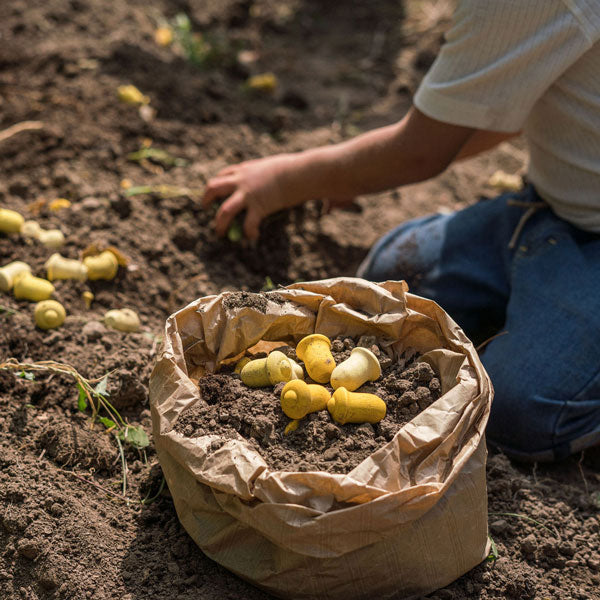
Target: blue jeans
(544,291)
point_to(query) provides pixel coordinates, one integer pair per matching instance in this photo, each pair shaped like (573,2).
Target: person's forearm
(412,150)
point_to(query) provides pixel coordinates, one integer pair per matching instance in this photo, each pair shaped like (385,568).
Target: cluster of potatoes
(48,314)
(299,398)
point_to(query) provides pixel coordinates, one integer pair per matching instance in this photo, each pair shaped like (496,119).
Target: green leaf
(493,555)
(158,155)
(100,389)
(269,285)
(82,402)
(108,423)
(26,375)
(136,190)
(136,437)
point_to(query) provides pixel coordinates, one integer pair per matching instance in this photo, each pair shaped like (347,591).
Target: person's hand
(260,187)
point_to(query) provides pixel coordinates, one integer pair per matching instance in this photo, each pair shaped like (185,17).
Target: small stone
(499,526)
(349,343)
(90,203)
(93,331)
(331,454)
(375,350)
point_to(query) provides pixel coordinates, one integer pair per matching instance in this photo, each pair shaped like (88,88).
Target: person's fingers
(228,170)
(217,187)
(231,169)
(252,225)
(227,211)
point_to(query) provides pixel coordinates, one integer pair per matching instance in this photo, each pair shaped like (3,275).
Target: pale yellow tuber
(51,238)
(123,319)
(103,266)
(10,221)
(49,314)
(11,272)
(59,267)
(315,351)
(262,372)
(299,398)
(355,407)
(35,289)
(361,366)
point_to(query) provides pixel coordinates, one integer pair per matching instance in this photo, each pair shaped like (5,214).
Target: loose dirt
(69,528)
(237,411)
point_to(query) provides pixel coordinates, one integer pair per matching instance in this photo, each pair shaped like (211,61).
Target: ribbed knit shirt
(531,65)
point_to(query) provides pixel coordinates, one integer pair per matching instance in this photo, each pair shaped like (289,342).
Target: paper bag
(409,519)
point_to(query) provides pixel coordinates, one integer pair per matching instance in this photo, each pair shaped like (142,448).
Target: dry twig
(20,127)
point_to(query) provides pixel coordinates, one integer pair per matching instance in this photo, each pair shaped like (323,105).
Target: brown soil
(233,410)
(67,531)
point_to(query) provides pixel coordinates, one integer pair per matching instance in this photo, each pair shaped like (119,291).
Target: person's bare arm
(412,150)
(482,140)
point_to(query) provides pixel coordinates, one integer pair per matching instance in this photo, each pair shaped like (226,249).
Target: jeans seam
(572,399)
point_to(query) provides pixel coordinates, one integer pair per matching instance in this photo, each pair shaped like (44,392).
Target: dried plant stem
(19,127)
(10,311)
(123,465)
(96,401)
(525,518)
(96,485)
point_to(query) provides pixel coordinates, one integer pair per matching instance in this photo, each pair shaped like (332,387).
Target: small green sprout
(235,232)
(268,285)
(156,155)
(493,555)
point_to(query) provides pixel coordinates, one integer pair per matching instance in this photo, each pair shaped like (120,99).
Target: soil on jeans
(233,410)
(69,528)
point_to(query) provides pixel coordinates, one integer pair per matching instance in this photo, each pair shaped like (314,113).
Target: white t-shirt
(533,65)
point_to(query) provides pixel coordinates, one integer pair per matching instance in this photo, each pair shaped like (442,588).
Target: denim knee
(529,422)
(522,424)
